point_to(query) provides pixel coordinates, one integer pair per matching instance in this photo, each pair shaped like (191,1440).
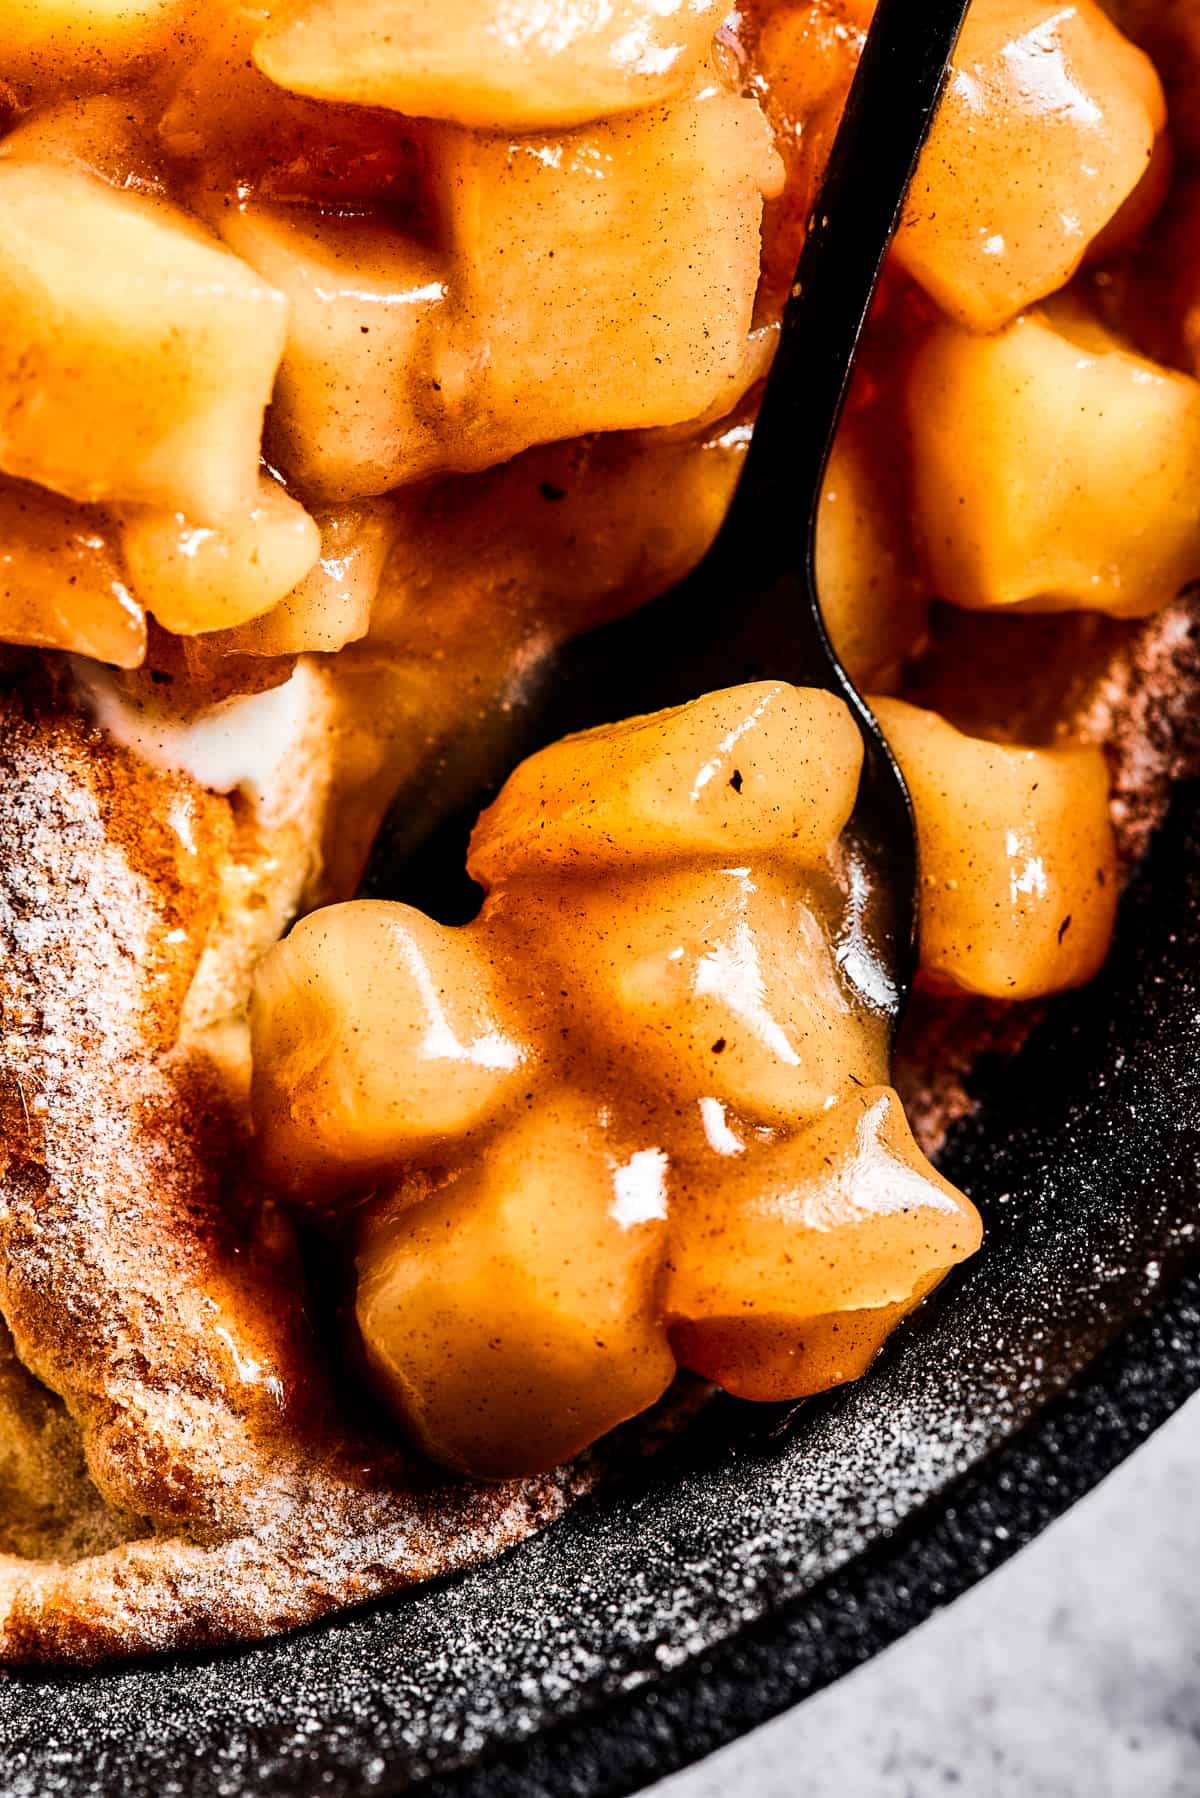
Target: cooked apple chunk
(647,1044)
(98,133)
(367,377)
(711,979)
(1054,468)
(764,769)
(787,1275)
(663,210)
(62,585)
(566,536)
(136,356)
(873,599)
(1018,863)
(332,605)
(511,1317)
(376,1035)
(205,578)
(1047,127)
(405,361)
(516,65)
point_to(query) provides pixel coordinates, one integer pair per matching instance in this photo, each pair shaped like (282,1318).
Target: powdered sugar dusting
(137,1279)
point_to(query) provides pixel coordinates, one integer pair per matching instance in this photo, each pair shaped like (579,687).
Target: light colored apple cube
(787,1274)
(136,356)
(1054,469)
(605,280)
(1047,127)
(1018,864)
(873,599)
(377,1036)
(761,769)
(518,65)
(404,362)
(705,979)
(510,1316)
(362,396)
(197,578)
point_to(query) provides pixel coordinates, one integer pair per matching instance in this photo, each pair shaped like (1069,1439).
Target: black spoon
(750,610)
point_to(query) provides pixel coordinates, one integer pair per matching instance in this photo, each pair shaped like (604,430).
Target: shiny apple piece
(786,1276)
(765,768)
(1018,861)
(377,1035)
(1047,127)
(205,578)
(511,1317)
(515,66)
(137,356)
(1054,468)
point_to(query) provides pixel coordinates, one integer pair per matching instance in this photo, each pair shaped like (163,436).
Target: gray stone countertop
(1072,1672)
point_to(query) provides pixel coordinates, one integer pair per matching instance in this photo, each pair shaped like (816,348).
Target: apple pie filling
(352,356)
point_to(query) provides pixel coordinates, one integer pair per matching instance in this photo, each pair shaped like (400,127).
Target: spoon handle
(751,608)
(770,531)
(888,113)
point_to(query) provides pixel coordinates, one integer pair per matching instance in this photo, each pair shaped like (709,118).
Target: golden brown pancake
(147,1284)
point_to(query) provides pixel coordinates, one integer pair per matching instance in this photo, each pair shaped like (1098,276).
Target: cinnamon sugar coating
(157,1297)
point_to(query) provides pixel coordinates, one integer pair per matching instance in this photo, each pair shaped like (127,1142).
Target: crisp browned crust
(141,1282)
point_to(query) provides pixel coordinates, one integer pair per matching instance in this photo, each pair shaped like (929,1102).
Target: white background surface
(1072,1672)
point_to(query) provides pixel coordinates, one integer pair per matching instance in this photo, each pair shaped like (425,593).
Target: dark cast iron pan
(769,1551)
